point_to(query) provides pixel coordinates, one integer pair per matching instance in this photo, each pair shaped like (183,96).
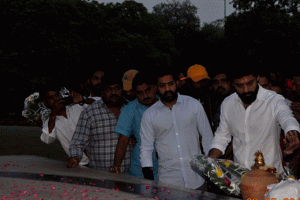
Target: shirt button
(178,146)
(176,133)
(180,158)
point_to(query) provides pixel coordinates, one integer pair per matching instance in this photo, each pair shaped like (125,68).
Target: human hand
(57,107)
(293,164)
(77,98)
(292,142)
(115,169)
(132,141)
(72,162)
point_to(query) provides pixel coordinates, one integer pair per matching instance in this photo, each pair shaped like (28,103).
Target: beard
(96,89)
(168,96)
(249,97)
(113,100)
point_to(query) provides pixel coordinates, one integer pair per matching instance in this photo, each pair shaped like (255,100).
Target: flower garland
(35,109)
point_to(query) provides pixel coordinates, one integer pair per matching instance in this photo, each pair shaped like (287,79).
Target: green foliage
(178,16)
(289,6)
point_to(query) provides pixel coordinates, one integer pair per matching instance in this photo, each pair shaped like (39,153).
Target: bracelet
(83,101)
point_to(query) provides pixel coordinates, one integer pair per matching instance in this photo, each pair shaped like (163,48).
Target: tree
(290,6)
(178,16)
(181,20)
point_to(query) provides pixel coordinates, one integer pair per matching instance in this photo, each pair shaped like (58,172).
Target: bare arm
(214,153)
(119,153)
(51,123)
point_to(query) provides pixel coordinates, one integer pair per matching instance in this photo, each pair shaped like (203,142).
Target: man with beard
(92,86)
(95,128)
(251,116)
(174,125)
(222,88)
(199,83)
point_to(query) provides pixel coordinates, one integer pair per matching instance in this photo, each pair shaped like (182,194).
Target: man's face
(112,95)
(247,88)
(96,78)
(166,88)
(296,85)
(264,82)
(201,85)
(145,94)
(94,82)
(53,99)
(221,84)
(129,95)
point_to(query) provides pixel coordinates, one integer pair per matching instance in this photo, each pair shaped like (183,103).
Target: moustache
(248,94)
(168,92)
(220,89)
(146,99)
(114,95)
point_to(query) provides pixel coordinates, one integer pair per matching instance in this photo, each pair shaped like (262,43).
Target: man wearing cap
(199,83)
(127,84)
(95,128)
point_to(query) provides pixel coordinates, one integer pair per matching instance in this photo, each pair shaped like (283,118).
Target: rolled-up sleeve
(222,135)
(46,136)
(81,136)
(147,140)
(284,115)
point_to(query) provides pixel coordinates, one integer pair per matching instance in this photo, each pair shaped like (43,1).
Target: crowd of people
(150,125)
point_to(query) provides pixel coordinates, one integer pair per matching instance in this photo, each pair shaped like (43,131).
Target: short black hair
(49,86)
(111,79)
(216,70)
(266,74)
(141,78)
(241,69)
(164,72)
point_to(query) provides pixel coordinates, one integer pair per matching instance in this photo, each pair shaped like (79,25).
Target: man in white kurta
(254,124)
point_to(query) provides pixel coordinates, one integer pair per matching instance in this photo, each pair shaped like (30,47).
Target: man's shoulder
(99,104)
(230,99)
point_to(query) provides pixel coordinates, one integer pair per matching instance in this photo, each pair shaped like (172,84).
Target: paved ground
(30,169)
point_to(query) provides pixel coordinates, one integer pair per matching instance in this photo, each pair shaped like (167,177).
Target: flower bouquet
(223,173)
(35,109)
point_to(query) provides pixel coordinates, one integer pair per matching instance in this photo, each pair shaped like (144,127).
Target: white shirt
(64,129)
(255,128)
(175,133)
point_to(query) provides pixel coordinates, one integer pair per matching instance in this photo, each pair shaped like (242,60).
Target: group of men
(171,119)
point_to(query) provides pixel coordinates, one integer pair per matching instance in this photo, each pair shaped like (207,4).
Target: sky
(208,10)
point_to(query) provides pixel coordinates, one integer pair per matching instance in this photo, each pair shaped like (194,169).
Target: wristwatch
(83,101)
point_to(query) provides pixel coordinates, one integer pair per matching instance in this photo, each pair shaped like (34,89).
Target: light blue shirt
(129,123)
(175,133)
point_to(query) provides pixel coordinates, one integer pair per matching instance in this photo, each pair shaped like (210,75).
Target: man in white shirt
(174,125)
(252,115)
(63,118)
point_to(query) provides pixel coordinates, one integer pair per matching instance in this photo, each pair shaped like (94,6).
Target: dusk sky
(208,10)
